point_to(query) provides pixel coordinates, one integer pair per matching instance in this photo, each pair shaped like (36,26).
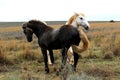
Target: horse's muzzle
(29,40)
(87,28)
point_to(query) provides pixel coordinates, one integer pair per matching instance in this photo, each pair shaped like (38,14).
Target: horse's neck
(73,24)
(38,33)
(42,30)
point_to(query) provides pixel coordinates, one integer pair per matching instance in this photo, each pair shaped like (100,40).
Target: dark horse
(49,39)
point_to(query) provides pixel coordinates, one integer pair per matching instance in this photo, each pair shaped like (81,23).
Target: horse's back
(64,36)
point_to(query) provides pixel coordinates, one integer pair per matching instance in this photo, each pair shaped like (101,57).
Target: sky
(58,10)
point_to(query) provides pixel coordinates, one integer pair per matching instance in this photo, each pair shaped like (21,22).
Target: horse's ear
(76,13)
(82,14)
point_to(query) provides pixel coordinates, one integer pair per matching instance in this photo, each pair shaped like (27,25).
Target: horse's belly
(50,44)
(55,45)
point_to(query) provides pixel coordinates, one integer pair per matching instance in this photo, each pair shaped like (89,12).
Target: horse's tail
(85,43)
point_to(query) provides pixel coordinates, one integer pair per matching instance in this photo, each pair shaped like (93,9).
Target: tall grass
(103,54)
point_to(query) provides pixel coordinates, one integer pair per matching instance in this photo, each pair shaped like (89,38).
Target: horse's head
(81,21)
(27,31)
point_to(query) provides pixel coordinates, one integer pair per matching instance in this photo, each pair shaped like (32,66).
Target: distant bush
(112,21)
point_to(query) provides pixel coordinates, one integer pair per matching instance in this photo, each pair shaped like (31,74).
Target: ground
(21,60)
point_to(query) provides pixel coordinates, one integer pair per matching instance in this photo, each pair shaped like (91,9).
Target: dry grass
(108,55)
(10,29)
(116,50)
(104,51)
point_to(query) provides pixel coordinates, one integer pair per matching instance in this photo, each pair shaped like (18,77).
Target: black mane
(36,24)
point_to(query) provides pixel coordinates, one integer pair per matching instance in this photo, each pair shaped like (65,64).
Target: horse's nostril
(87,28)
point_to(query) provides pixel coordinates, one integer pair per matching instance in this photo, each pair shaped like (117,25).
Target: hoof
(58,73)
(73,68)
(46,71)
(49,63)
(54,69)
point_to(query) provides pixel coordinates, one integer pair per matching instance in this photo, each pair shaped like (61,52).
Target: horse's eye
(81,18)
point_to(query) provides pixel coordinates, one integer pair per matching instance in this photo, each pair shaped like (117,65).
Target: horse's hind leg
(64,57)
(76,57)
(52,59)
(44,52)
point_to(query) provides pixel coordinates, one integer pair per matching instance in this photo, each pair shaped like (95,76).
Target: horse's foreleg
(44,52)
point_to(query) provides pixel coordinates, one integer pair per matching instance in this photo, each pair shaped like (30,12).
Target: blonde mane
(83,35)
(74,17)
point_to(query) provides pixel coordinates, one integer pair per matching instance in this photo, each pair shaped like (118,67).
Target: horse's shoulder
(67,28)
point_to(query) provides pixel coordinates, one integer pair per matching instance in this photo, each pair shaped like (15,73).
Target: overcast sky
(52,10)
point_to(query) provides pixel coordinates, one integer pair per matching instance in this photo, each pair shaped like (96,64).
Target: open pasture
(21,60)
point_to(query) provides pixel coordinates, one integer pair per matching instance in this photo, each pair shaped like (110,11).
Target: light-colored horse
(77,20)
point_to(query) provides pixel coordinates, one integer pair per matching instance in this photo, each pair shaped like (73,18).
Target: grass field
(21,60)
